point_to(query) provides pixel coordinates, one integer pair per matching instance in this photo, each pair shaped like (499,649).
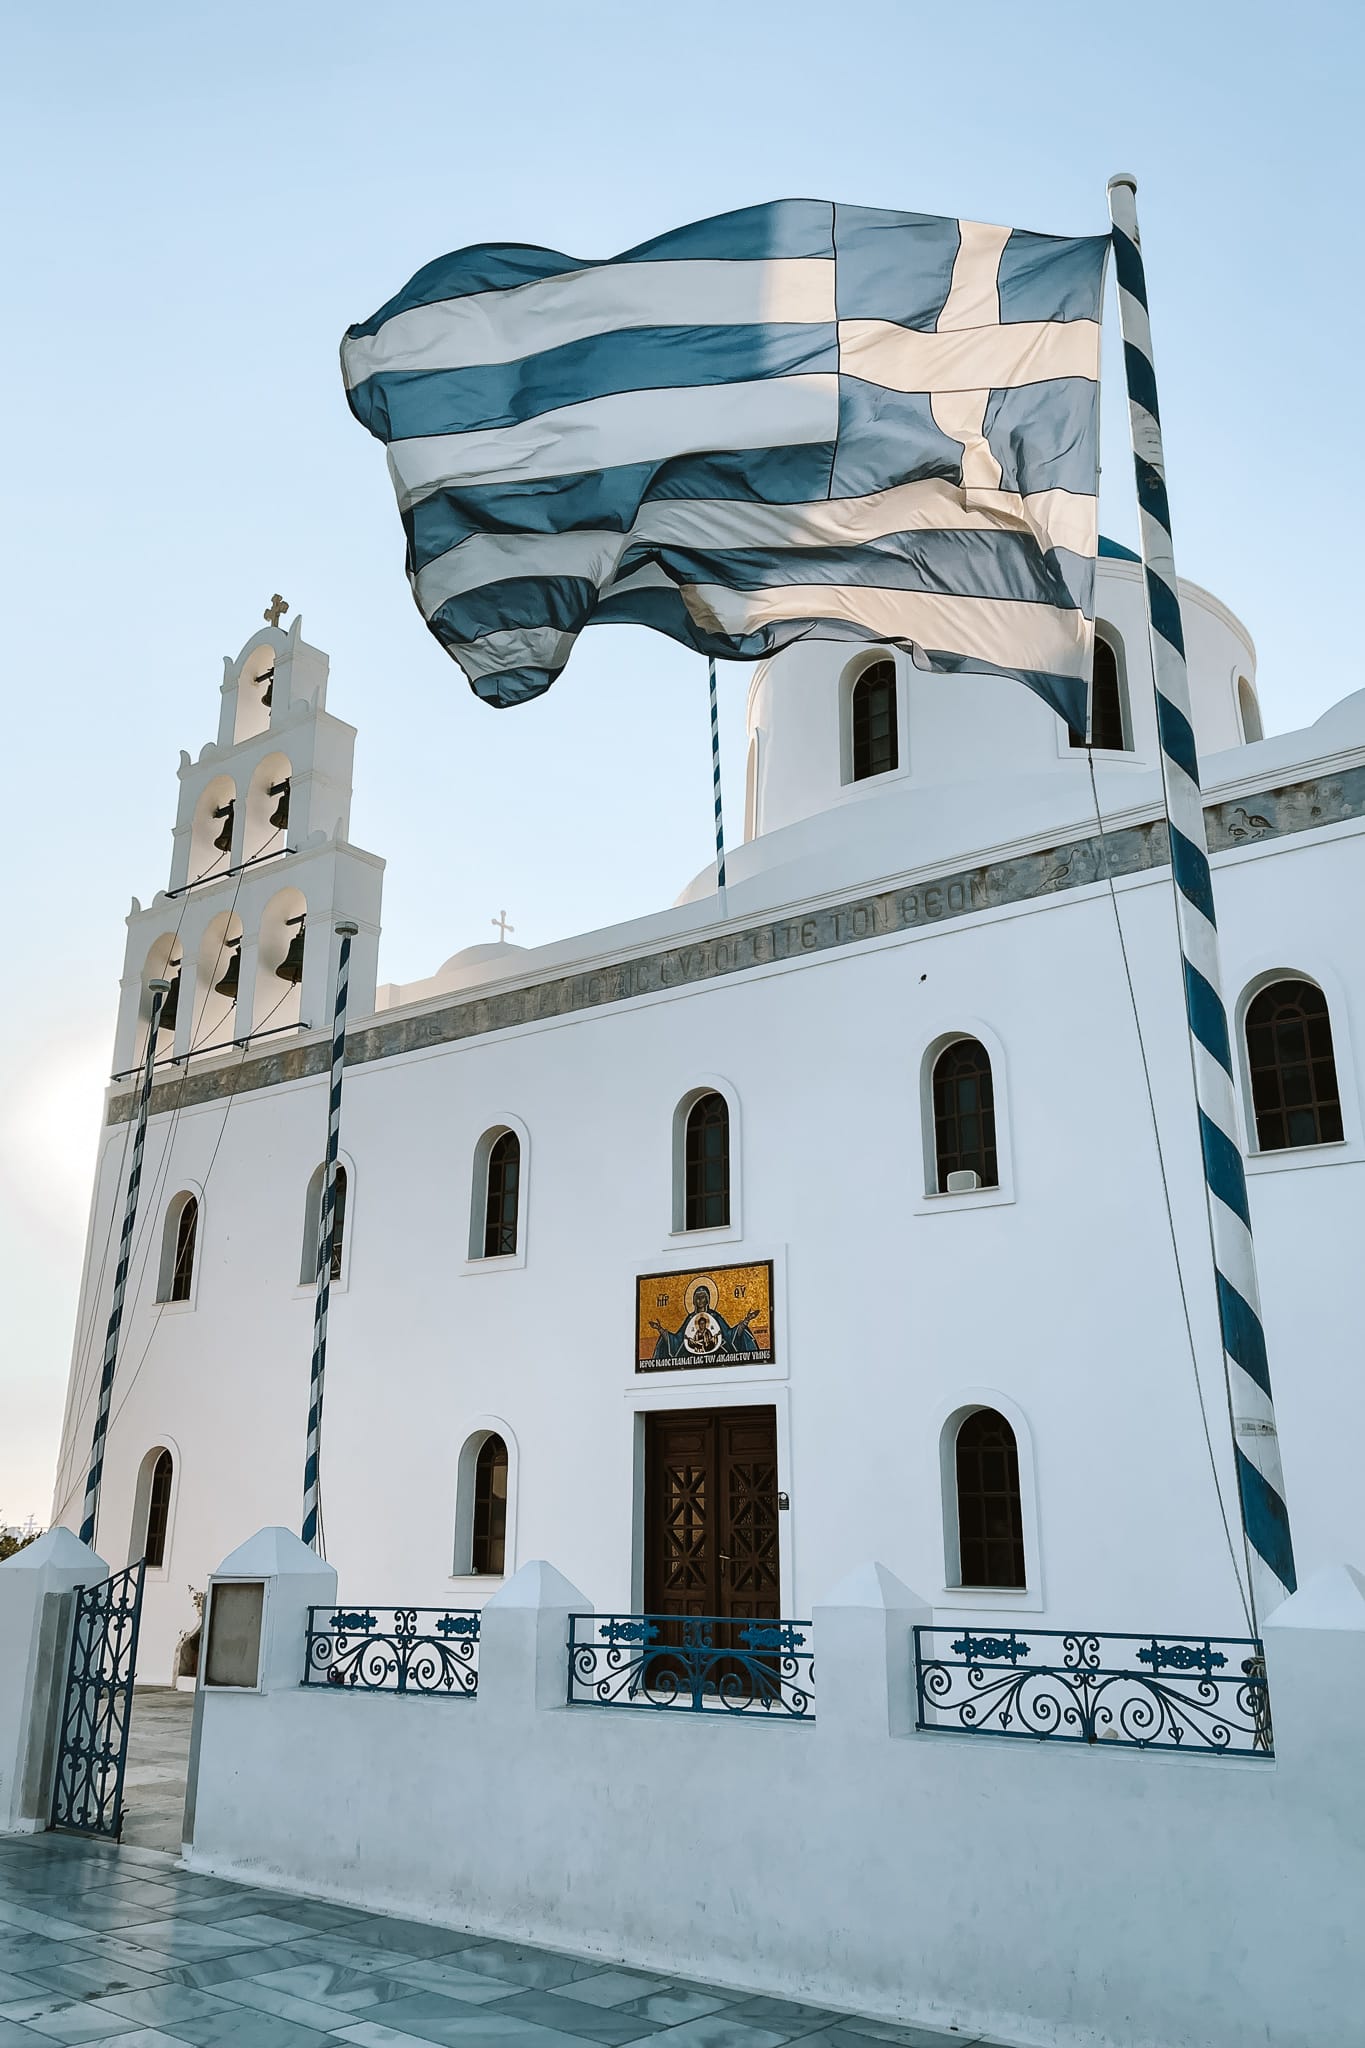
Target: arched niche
(215,1009)
(254,692)
(267,800)
(205,857)
(1249,711)
(163,963)
(278,996)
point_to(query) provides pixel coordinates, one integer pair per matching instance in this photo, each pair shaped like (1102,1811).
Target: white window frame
(189,1190)
(142,1503)
(1128,752)
(481,1427)
(1350,1147)
(1028,1598)
(308,1254)
(723,1233)
(931,1200)
(476,1261)
(866,658)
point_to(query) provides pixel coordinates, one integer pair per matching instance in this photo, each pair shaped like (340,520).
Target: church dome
(484,955)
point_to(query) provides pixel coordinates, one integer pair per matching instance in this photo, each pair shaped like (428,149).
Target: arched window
(179,1238)
(706,1164)
(1250,712)
(488,1534)
(1107,727)
(312,1223)
(159,1509)
(964,1114)
(182,1266)
(990,1519)
(872,722)
(502,1200)
(1293,1069)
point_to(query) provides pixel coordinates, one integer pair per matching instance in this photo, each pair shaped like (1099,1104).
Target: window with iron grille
(186,1231)
(706,1164)
(873,715)
(488,1545)
(1293,1069)
(964,1113)
(159,1510)
(990,1516)
(1106,704)
(502,1197)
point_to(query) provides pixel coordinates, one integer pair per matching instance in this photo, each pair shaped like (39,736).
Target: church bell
(171,1004)
(232,974)
(279,817)
(291,967)
(227,812)
(268,693)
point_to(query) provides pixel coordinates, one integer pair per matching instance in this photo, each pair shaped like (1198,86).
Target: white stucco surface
(1044,1894)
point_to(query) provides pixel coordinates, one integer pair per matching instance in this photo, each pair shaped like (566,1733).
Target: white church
(854,1214)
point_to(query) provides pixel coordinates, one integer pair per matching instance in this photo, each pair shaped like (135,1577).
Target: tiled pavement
(122,1946)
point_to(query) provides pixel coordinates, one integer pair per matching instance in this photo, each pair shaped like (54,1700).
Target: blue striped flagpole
(160,990)
(1260,1483)
(312,1472)
(715,783)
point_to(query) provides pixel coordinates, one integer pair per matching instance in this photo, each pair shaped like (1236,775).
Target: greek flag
(797,419)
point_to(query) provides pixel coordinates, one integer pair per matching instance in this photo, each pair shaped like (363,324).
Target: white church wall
(1069,1897)
(893,1309)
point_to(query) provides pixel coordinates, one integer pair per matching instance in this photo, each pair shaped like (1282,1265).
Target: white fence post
(864,1655)
(523,1640)
(1315,1665)
(36,1588)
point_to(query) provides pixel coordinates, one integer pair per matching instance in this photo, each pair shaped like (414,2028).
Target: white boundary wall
(1043,1893)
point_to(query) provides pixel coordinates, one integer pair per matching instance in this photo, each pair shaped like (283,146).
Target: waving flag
(798,419)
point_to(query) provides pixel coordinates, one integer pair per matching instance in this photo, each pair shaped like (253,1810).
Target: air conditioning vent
(964,1181)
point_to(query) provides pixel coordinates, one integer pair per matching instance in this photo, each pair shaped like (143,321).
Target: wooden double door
(711,1518)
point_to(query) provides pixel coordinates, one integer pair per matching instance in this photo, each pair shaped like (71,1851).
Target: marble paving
(122,1946)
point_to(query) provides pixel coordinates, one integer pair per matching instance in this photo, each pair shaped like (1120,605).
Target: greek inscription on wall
(1131,849)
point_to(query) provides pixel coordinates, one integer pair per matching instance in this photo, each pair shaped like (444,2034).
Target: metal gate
(97,1706)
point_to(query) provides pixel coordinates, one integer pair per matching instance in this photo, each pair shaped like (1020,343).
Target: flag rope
(715,781)
(1260,1483)
(159,990)
(312,1472)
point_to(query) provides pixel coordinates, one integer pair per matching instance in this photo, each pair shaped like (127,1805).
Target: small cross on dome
(503,926)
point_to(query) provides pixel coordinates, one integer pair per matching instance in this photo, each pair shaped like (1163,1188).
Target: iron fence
(692,1663)
(1148,1692)
(428,1650)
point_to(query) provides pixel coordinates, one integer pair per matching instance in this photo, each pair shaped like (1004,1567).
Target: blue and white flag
(799,419)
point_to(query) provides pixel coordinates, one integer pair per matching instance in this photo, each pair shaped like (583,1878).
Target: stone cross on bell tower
(275,610)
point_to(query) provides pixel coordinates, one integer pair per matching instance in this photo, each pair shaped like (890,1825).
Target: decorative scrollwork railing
(428,1650)
(693,1663)
(1149,1692)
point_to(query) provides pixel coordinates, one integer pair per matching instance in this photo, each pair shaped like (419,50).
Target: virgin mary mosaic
(723,1316)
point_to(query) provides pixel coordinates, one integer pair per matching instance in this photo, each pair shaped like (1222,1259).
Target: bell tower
(261,870)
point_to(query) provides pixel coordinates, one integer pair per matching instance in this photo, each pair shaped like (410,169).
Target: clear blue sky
(200,199)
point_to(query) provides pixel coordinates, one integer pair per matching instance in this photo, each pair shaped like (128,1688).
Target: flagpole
(715,786)
(159,991)
(1260,1483)
(312,1471)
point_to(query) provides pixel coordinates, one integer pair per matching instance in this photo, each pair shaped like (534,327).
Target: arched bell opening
(217,980)
(163,963)
(279,961)
(267,808)
(214,819)
(255,693)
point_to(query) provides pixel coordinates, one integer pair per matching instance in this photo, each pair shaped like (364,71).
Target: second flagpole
(1260,1482)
